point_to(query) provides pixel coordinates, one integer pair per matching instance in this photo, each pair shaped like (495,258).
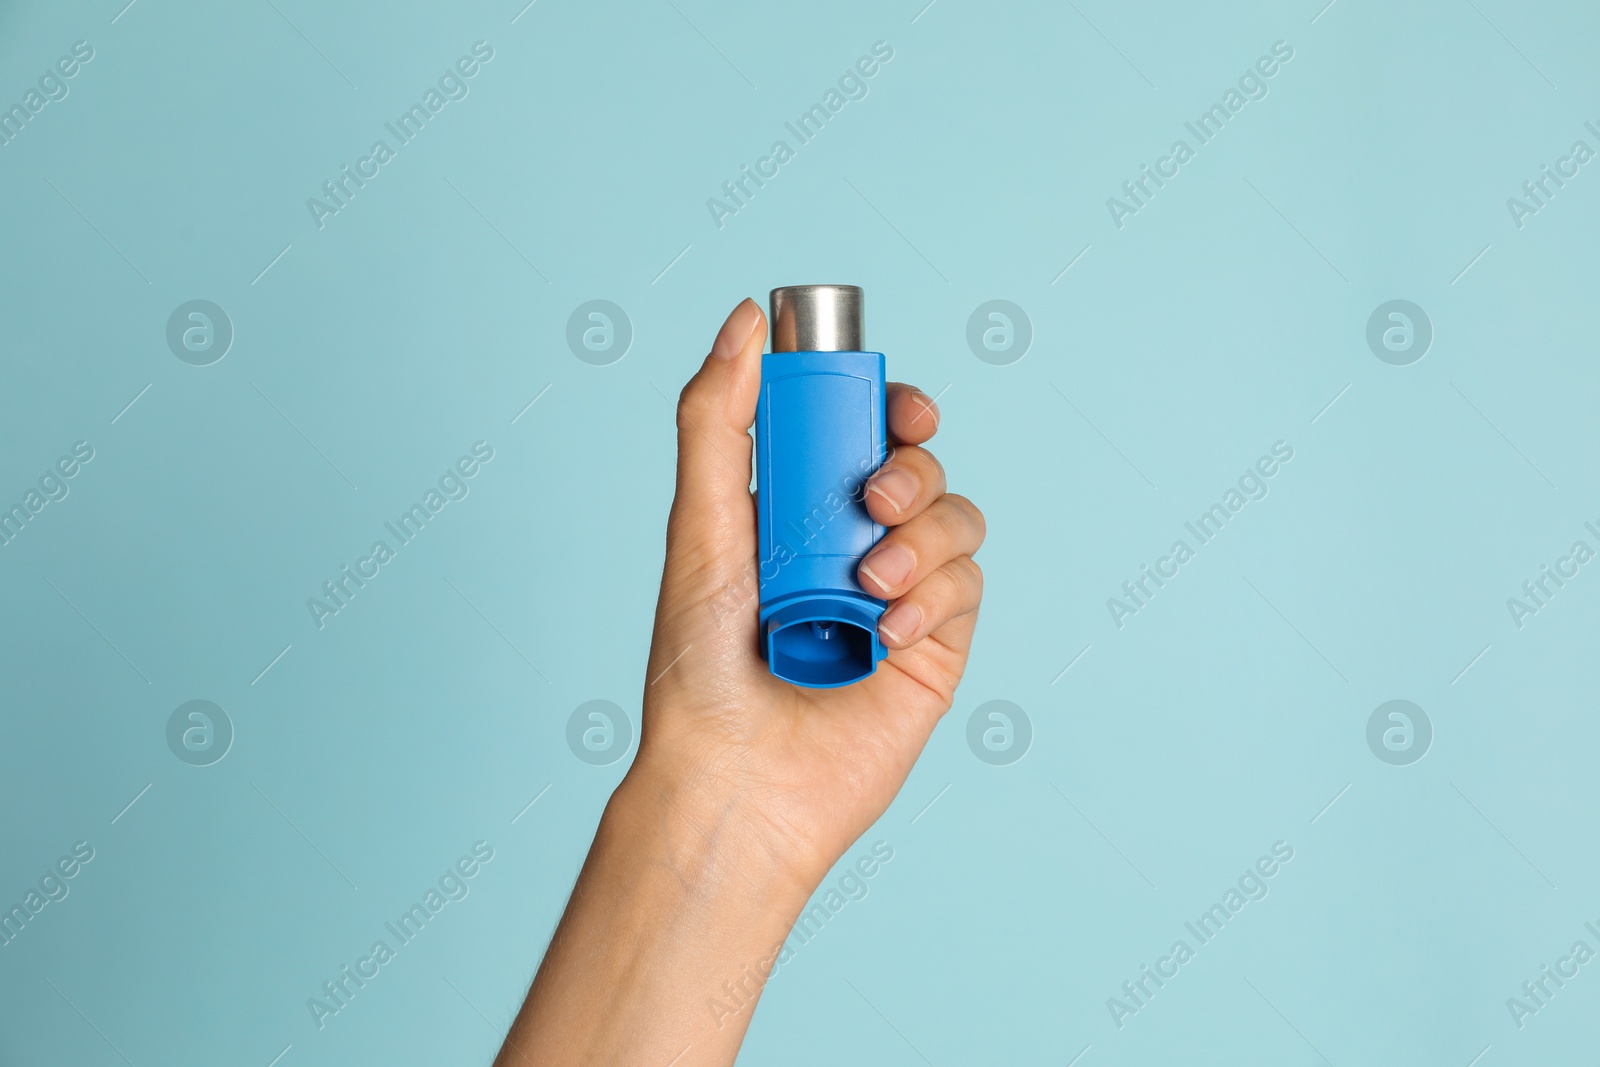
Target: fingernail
(737,330)
(900,622)
(888,568)
(929,408)
(895,486)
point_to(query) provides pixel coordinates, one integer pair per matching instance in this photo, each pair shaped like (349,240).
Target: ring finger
(951,526)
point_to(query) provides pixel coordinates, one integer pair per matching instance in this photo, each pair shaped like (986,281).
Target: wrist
(677,919)
(715,833)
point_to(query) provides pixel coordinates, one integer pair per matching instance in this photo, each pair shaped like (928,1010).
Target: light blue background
(1223,317)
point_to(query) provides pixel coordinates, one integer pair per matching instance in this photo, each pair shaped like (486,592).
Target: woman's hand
(746,789)
(800,772)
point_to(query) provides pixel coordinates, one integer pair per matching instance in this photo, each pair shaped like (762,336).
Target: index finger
(913,416)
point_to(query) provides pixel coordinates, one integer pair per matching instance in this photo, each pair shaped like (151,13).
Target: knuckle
(694,406)
(956,587)
(974,575)
(975,581)
(970,515)
(938,589)
(951,584)
(951,520)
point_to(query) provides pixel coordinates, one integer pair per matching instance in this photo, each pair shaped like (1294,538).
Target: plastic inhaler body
(820,433)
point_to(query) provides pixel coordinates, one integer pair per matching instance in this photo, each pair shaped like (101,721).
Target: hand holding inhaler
(784,708)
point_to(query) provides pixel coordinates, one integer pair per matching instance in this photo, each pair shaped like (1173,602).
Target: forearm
(671,930)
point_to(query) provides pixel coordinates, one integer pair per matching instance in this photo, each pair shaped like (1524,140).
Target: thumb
(711,531)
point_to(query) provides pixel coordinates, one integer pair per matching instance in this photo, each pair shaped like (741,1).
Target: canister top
(818,318)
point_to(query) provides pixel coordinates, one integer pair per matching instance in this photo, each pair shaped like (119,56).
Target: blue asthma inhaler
(820,434)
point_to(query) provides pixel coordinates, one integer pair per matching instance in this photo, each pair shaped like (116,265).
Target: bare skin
(746,789)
